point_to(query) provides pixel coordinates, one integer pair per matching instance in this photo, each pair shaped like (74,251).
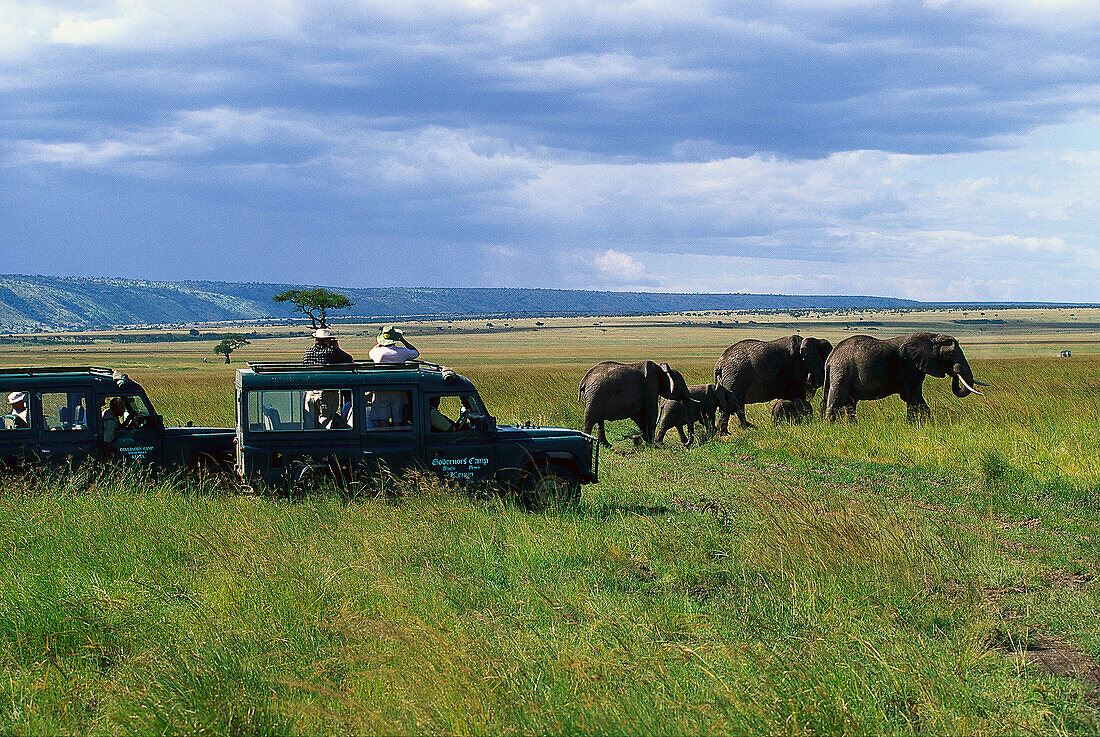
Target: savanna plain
(875,578)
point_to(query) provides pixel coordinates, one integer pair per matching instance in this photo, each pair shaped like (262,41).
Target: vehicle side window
(451,412)
(17,409)
(389,409)
(270,410)
(64,410)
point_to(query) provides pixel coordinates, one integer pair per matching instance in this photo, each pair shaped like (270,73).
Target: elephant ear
(923,353)
(671,382)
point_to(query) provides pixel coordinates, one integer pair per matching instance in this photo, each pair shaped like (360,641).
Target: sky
(939,150)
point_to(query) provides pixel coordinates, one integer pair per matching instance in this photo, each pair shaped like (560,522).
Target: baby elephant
(676,413)
(794,411)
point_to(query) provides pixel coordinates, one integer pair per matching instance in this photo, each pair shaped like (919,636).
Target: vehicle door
(302,433)
(18,427)
(459,442)
(64,433)
(128,430)
(392,436)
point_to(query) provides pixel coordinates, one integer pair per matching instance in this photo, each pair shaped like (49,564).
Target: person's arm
(410,347)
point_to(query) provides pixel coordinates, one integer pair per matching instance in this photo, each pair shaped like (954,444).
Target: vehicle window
(121,413)
(300,409)
(390,409)
(64,410)
(451,412)
(17,410)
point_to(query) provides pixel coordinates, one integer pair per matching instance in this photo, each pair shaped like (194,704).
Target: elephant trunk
(962,381)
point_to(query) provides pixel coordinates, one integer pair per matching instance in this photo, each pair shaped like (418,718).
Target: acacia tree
(230,343)
(314,303)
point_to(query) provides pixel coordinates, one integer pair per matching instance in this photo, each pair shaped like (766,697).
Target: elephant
(676,413)
(754,371)
(862,367)
(794,411)
(619,391)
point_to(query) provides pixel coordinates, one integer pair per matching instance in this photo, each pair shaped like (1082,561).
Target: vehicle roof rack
(355,367)
(38,370)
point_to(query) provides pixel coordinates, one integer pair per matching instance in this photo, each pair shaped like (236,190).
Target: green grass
(879,578)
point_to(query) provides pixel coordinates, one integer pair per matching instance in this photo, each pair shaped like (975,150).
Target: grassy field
(876,578)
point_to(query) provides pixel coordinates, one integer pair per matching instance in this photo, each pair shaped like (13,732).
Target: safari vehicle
(359,421)
(70,414)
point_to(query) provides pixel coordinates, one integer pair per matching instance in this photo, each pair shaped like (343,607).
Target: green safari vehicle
(67,415)
(360,421)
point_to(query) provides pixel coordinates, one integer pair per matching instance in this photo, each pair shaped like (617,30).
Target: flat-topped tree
(230,343)
(314,303)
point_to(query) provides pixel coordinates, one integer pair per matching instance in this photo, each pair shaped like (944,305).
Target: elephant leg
(684,439)
(723,422)
(602,437)
(640,420)
(741,418)
(850,410)
(660,439)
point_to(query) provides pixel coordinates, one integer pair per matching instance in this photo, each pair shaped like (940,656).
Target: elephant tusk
(972,389)
(693,399)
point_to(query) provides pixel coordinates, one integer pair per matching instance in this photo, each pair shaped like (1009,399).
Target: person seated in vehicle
(388,351)
(19,418)
(325,350)
(117,416)
(328,409)
(439,421)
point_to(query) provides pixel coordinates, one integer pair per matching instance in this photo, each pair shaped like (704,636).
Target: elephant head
(940,355)
(667,382)
(812,353)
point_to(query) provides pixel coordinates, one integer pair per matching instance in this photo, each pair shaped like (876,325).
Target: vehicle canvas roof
(361,373)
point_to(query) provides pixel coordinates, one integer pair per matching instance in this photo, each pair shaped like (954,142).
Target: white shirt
(392,354)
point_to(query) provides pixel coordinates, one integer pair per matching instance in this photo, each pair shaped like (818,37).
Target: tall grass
(872,578)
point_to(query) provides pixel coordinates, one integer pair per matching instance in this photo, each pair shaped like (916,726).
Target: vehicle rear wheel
(548,486)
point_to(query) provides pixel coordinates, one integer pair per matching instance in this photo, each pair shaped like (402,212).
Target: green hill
(29,303)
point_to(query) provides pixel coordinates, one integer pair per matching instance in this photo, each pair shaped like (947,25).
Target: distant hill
(31,303)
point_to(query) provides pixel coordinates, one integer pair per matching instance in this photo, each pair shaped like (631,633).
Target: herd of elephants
(787,371)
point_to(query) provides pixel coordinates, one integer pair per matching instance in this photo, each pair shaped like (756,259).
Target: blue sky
(945,150)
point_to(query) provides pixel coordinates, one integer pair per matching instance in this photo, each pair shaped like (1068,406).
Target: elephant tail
(825,391)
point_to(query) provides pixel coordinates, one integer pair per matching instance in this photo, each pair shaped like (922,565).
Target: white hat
(322,333)
(17,397)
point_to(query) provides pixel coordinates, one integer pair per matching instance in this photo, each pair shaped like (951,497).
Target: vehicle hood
(512,432)
(179,432)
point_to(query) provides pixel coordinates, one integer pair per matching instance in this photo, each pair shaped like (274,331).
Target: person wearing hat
(389,407)
(388,350)
(325,349)
(20,415)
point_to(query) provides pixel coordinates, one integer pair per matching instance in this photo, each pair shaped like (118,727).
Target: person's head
(324,336)
(18,401)
(118,406)
(389,335)
(434,402)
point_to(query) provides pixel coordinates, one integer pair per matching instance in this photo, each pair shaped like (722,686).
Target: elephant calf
(676,413)
(793,411)
(620,391)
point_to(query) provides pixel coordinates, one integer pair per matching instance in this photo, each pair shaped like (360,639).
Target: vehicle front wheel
(548,486)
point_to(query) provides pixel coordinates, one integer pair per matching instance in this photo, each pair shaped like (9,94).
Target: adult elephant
(862,367)
(620,391)
(757,371)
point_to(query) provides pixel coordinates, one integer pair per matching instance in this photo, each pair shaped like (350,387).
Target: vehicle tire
(547,486)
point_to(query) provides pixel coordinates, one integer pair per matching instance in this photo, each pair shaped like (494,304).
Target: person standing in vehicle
(389,408)
(325,349)
(387,350)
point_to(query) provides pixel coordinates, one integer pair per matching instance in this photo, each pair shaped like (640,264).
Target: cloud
(781,146)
